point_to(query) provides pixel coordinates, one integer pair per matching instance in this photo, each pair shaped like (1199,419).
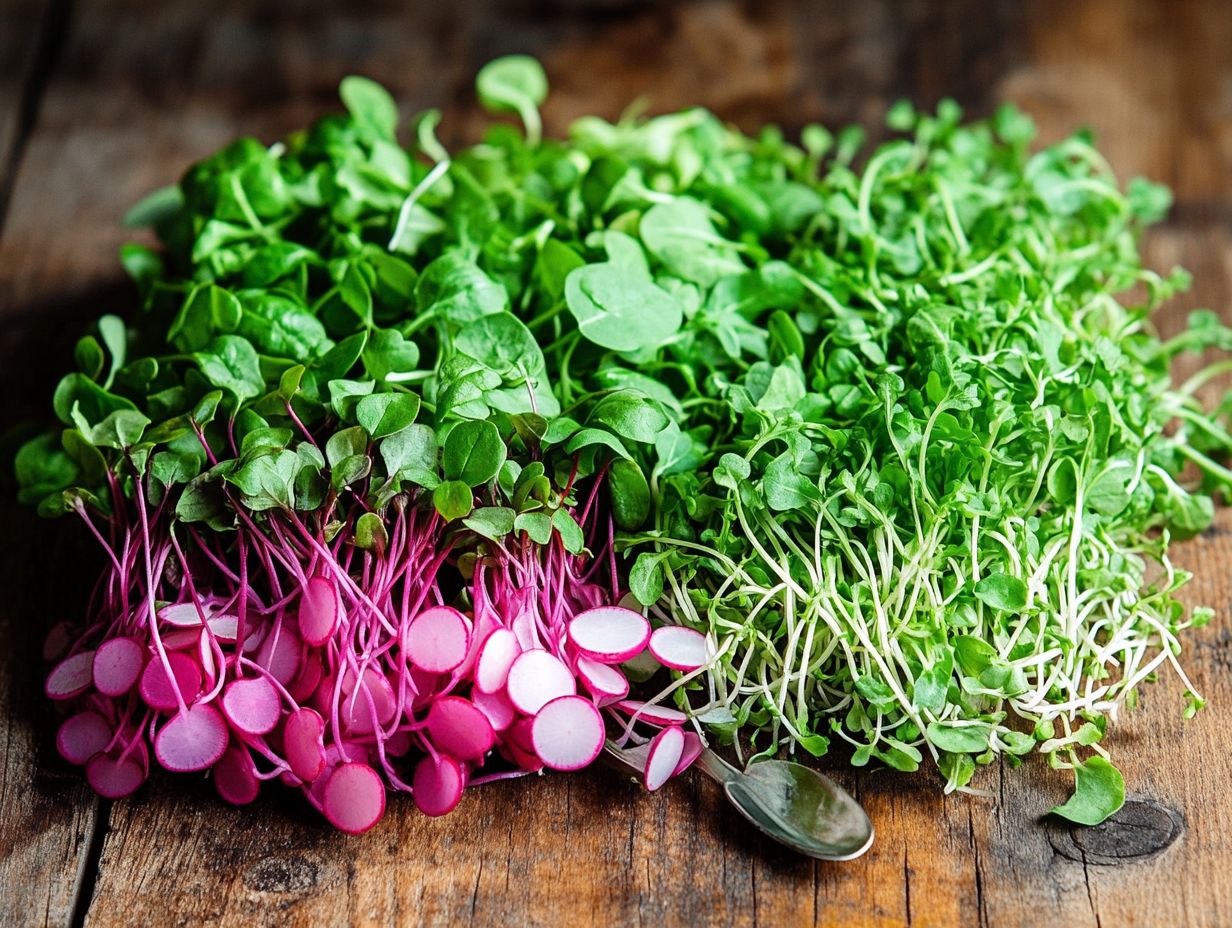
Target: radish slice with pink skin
(604,682)
(254,637)
(183,615)
(320,611)
(536,678)
(609,634)
(234,777)
(527,632)
(209,666)
(226,628)
(655,715)
(301,741)
(496,707)
(280,655)
(377,686)
(112,778)
(346,752)
(118,663)
(679,648)
(460,729)
(437,639)
(482,628)
(693,747)
(421,689)
(308,678)
(496,656)
(437,785)
(81,736)
(157,689)
(666,749)
(322,698)
(192,740)
(252,705)
(519,748)
(181,639)
(567,733)
(354,798)
(71,677)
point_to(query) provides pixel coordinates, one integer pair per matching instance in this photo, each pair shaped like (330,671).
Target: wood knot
(1139,830)
(282,875)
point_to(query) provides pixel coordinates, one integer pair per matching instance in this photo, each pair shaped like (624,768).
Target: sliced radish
(181,639)
(251,705)
(604,682)
(374,685)
(655,715)
(679,648)
(157,688)
(310,673)
(497,707)
(183,615)
(422,688)
(301,741)
(254,637)
(437,785)
(112,778)
(536,678)
(320,611)
(519,748)
(666,749)
(496,656)
(192,740)
(398,744)
(438,639)
(693,747)
(460,729)
(234,777)
(567,733)
(71,677)
(83,735)
(526,630)
(609,634)
(354,798)
(225,627)
(280,655)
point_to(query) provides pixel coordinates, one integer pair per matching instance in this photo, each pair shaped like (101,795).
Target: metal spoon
(793,804)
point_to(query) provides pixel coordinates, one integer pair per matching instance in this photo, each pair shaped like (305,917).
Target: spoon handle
(716,767)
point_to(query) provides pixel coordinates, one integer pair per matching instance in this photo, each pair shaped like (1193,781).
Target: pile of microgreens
(876,424)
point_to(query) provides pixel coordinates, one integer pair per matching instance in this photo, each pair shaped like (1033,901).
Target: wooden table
(101,102)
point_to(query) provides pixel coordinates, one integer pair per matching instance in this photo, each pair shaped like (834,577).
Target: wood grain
(142,89)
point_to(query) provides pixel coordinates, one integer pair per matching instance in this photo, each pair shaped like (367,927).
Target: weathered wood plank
(22,30)
(144,90)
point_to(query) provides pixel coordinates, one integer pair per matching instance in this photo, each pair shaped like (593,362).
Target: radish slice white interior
(655,715)
(225,627)
(117,665)
(460,729)
(609,634)
(71,677)
(81,736)
(567,733)
(193,740)
(58,640)
(280,655)
(354,798)
(182,639)
(156,687)
(320,611)
(437,639)
(437,785)
(251,705)
(301,740)
(666,749)
(112,778)
(604,682)
(496,656)
(693,747)
(497,707)
(183,615)
(679,648)
(310,673)
(373,685)
(536,678)
(234,778)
